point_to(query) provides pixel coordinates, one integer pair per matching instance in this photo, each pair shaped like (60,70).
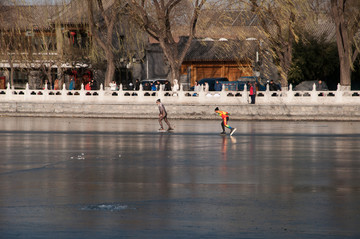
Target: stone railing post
(267,94)
(245,95)
(101,92)
(160,93)
(314,95)
(8,92)
(64,92)
(289,94)
(82,93)
(201,94)
(121,93)
(46,91)
(27,92)
(181,94)
(339,94)
(223,94)
(140,93)
(121,88)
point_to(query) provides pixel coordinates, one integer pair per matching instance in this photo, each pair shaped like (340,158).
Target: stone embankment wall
(183,111)
(280,105)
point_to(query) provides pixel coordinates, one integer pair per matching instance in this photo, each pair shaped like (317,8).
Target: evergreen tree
(315,58)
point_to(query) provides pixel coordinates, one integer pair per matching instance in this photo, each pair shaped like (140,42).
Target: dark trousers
(252,99)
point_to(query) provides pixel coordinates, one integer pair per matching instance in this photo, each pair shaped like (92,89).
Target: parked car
(211,82)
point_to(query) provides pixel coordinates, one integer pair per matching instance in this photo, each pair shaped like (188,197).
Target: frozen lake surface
(107,178)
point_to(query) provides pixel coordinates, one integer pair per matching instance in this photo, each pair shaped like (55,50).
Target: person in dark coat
(321,85)
(273,86)
(167,86)
(93,84)
(137,84)
(147,86)
(218,86)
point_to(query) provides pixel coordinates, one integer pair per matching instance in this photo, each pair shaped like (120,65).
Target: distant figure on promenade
(321,85)
(224,123)
(252,92)
(72,84)
(46,85)
(176,85)
(93,84)
(56,84)
(88,86)
(167,86)
(113,85)
(273,86)
(218,86)
(153,86)
(197,87)
(130,86)
(147,86)
(158,85)
(163,116)
(137,84)
(77,84)
(206,87)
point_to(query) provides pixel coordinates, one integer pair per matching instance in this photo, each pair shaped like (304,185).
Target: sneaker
(223,132)
(161,129)
(232,131)
(170,129)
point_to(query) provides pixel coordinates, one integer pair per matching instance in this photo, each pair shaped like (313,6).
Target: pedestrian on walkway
(252,90)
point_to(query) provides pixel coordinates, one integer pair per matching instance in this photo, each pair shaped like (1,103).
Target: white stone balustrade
(181,97)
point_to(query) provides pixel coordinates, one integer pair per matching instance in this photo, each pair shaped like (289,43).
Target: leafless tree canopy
(161,18)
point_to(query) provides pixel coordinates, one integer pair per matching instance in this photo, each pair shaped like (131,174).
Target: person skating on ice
(163,116)
(225,118)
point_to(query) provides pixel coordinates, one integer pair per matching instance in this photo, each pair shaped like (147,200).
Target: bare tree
(278,22)
(346,15)
(7,39)
(10,38)
(157,18)
(103,33)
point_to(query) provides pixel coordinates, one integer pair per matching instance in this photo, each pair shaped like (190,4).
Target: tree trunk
(172,55)
(175,72)
(11,72)
(104,42)
(343,43)
(345,71)
(48,74)
(12,76)
(285,58)
(110,69)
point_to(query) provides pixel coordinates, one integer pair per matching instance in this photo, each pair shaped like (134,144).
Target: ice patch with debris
(112,207)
